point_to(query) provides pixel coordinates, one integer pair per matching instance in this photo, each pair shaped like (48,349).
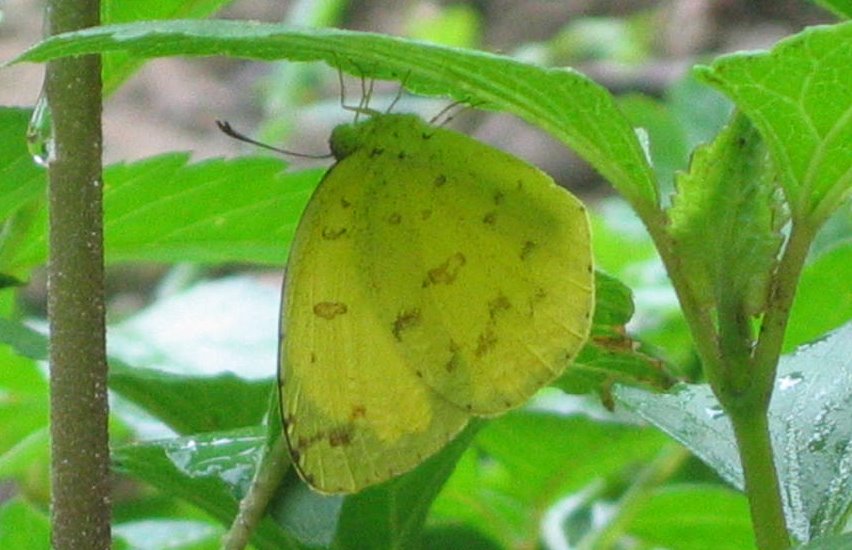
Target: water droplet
(714,411)
(790,381)
(40,132)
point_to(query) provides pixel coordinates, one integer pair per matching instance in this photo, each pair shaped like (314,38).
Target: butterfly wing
(482,265)
(355,414)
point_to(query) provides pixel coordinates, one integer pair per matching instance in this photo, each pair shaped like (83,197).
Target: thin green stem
(771,339)
(664,465)
(78,372)
(751,428)
(270,473)
(697,318)
(748,406)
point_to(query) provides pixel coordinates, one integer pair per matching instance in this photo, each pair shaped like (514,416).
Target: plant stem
(742,380)
(748,411)
(664,465)
(751,428)
(772,329)
(270,473)
(78,372)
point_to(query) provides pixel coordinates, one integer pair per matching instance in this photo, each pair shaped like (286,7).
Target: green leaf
(568,105)
(724,221)
(840,8)
(694,517)
(25,341)
(21,180)
(193,404)
(524,462)
(22,190)
(810,425)
(607,361)
(610,356)
(163,209)
(666,136)
(840,542)
(23,409)
(391,515)
(613,301)
(823,301)
(798,97)
(118,66)
(209,470)
(23,526)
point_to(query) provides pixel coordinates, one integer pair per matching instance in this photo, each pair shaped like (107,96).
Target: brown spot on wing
(341,436)
(527,249)
(405,320)
(486,342)
(329,310)
(455,357)
(358,411)
(498,304)
(447,272)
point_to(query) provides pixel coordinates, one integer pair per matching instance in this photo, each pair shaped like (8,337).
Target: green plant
(734,242)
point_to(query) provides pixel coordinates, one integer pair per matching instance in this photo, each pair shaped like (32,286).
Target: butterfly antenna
(229,131)
(398,92)
(444,111)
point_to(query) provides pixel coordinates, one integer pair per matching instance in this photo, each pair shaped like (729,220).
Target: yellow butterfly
(432,278)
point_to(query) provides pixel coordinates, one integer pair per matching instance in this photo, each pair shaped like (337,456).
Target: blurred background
(639,49)
(627,45)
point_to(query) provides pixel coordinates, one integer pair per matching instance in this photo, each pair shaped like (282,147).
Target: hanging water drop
(40,132)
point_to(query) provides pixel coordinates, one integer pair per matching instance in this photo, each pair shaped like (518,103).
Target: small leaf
(607,361)
(724,221)
(810,423)
(613,301)
(209,470)
(798,97)
(610,356)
